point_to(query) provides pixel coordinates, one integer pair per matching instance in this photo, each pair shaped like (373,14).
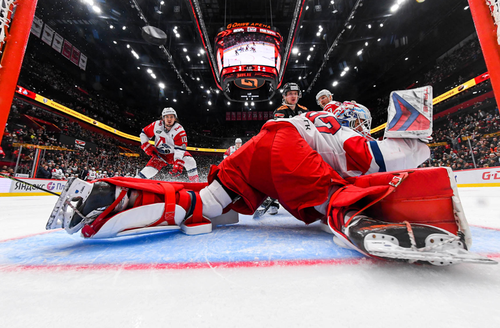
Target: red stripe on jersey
(180,138)
(150,130)
(331,107)
(358,156)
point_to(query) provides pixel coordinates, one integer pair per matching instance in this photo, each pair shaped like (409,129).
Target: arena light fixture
(334,84)
(161,85)
(96,9)
(295,50)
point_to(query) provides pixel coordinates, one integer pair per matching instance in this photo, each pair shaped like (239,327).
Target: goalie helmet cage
(486,16)
(16,18)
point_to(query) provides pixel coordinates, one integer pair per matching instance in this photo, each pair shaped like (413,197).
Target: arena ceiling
(383,49)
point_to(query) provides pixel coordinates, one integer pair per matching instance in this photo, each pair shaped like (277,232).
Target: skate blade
(74,188)
(258,214)
(388,250)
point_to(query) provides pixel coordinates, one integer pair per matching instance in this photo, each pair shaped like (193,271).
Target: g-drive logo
(491,175)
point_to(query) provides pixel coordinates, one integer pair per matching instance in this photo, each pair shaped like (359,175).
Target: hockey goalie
(368,193)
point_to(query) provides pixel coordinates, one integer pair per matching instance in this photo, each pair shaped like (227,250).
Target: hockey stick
(258,213)
(29,184)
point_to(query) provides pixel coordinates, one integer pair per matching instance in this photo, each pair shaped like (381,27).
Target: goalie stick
(29,184)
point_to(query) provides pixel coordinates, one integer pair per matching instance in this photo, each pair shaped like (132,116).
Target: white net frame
(6,9)
(494,6)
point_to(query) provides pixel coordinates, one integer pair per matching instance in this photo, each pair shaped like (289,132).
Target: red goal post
(486,16)
(16,18)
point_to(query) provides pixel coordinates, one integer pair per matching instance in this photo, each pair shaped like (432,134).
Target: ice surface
(350,292)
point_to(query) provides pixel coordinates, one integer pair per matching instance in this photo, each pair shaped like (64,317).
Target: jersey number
(332,125)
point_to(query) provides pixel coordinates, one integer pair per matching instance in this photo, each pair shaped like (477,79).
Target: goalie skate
(411,242)
(448,253)
(69,211)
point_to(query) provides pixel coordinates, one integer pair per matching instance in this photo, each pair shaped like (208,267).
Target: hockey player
(290,106)
(324,99)
(327,175)
(169,147)
(237,144)
(92,175)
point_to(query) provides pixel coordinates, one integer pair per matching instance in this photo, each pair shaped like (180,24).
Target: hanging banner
(83,62)
(266,115)
(244,116)
(238,116)
(233,116)
(75,56)
(57,42)
(228,116)
(254,114)
(261,117)
(36,27)
(48,34)
(66,50)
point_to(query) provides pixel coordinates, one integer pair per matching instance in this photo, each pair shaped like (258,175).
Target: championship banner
(238,116)
(266,116)
(75,56)
(410,113)
(244,116)
(48,34)
(83,62)
(233,116)
(254,115)
(228,116)
(261,117)
(36,27)
(66,50)
(57,42)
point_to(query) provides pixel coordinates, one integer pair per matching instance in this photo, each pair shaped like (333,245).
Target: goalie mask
(354,116)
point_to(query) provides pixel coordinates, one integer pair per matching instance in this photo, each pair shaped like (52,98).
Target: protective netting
(494,6)
(6,8)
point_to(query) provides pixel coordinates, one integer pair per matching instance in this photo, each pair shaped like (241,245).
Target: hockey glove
(177,168)
(149,149)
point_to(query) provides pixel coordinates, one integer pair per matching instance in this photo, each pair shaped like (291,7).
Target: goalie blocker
(412,215)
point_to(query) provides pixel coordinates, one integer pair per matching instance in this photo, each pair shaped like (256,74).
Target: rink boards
(272,240)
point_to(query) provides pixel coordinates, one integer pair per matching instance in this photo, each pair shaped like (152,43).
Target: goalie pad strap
(169,213)
(102,218)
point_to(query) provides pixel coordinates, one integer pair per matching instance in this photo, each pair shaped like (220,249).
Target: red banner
(482,77)
(244,116)
(233,116)
(238,116)
(266,116)
(228,116)
(66,50)
(75,56)
(261,117)
(24,92)
(254,114)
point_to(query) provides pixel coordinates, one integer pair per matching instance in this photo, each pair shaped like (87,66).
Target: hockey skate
(79,204)
(410,242)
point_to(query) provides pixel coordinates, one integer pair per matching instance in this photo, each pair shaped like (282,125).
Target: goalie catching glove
(149,149)
(177,168)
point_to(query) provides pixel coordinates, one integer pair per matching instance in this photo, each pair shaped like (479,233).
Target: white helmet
(168,111)
(354,116)
(323,92)
(238,140)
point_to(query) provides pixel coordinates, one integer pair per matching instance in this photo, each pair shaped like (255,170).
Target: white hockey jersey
(332,106)
(230,151)
(167,142)
(349,153)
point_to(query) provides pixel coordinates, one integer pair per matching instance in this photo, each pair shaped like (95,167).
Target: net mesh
(6,9)
(494,6)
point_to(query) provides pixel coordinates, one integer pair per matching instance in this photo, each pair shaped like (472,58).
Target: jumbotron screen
(248,47)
